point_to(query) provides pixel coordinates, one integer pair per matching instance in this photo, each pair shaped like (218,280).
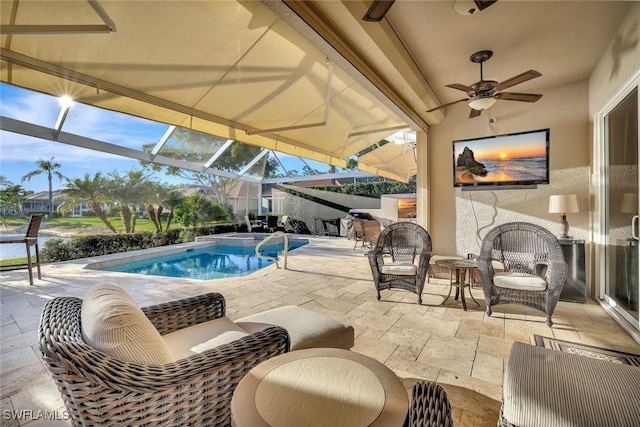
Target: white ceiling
(563,40)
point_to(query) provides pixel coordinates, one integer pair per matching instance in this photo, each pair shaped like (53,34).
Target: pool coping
(238,239)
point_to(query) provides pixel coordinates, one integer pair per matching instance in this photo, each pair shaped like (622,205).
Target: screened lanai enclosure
(236,90)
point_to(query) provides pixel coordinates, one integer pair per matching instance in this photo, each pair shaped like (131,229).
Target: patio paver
(464,351)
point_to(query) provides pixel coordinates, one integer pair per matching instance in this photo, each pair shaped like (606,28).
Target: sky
(19,153)
(527,144)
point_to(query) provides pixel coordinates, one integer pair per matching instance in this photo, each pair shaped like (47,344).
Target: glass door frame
(600,178)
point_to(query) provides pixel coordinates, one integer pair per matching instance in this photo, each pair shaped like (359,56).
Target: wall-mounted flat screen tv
(509,160)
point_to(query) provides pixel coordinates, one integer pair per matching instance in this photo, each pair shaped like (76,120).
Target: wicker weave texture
(401,242)
(99,390)
(523,247)
(429,406)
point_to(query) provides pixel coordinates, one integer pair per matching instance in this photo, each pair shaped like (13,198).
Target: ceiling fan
(484,93)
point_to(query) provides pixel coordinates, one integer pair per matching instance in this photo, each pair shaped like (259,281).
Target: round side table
(462,268)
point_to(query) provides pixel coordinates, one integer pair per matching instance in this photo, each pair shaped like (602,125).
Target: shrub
(103,244)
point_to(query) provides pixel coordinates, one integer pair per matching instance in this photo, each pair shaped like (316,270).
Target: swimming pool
(223,257)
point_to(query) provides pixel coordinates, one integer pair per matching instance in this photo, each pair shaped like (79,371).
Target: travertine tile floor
(464,351)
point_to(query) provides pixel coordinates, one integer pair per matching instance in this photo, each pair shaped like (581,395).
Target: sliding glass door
(618,206)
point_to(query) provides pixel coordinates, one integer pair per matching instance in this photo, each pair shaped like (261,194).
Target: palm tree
(49,167)
(129,191)
(173,201)
(93,191)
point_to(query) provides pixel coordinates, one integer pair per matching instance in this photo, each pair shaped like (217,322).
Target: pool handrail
(270,258)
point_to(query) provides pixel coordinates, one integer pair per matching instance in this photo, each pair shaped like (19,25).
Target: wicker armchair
(534,267)
(400,258)
(430,406)
(195,391)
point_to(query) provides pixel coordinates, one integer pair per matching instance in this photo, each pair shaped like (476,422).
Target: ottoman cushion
(306,328)
(544,387)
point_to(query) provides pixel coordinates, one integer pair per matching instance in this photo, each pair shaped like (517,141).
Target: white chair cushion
(113,323)
(519,281)
(202,337)
(399,268)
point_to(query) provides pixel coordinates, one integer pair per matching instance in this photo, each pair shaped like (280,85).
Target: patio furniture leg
(29,267)
(38,261)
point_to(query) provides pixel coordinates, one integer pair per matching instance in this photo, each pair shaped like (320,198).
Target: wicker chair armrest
(485,265)
(375,252)
(175,315)
(423,258)
(556,274)
(226,363)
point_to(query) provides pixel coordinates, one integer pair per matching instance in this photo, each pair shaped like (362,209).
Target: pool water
(213,262)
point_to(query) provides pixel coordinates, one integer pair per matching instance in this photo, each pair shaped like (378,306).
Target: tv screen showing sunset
(514,158)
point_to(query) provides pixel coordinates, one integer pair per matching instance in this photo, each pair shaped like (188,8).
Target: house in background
(39,202)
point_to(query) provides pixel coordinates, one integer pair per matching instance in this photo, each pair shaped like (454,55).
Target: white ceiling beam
(108,27)
(219,153)
(53,29)
(162,141)
(255,160)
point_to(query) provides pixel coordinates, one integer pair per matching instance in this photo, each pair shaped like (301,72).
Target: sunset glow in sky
(505,147)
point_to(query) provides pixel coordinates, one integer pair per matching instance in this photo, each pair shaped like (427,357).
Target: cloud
(16,147)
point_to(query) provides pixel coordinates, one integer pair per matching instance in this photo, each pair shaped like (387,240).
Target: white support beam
(62,116)
(255,160)
(108,27)
(163,140)
(219,153)
(53,29)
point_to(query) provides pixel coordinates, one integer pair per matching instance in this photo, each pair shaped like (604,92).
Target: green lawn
(142,224)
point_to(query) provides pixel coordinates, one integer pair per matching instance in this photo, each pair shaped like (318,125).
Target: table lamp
(629,203)
(563,203)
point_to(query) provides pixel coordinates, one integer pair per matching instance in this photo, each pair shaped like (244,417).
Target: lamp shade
(482,103)
(629,203)
(563,203)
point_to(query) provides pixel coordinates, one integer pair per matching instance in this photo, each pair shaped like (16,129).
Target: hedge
(104,244)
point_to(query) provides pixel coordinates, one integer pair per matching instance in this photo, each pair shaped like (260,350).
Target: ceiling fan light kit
(469,7)
(482,103)
(484,93)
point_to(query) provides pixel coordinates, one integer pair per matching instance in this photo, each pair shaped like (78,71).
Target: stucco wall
(618,63)
(460,219)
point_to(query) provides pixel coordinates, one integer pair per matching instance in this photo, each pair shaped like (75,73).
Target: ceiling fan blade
(446,105)
(461,87)
(474,113)
(514,96)
(520,78)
